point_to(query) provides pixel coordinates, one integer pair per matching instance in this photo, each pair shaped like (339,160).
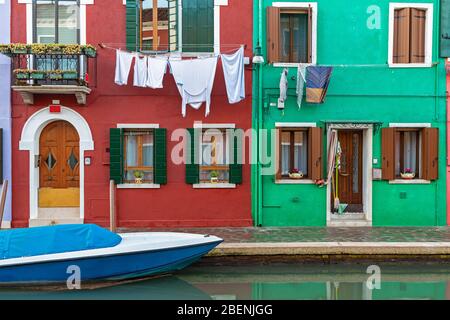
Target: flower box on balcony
(70,75)
(19,48)
(89,51)
(37,75)
(21,74)
(55,75)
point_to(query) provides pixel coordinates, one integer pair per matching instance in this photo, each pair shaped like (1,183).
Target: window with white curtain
(138,153)
(407,151)
(293,151)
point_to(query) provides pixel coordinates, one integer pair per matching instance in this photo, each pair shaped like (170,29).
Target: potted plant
(5,49)
(54,48)
(21,74)
(55,75)
(408,174)
(37,74)
(38,48)
(70,74)
(295,174)
(214,176)
(71,49)
(18,48)
(89,50)
(138,176)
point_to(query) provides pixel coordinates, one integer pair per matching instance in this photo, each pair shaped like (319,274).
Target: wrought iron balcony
(51,69)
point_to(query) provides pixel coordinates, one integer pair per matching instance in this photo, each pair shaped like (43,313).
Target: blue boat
(46,255)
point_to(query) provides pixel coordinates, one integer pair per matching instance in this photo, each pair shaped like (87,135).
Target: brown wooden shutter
(309,35)
(430,143)
(315,149)
(417,49)
(401,35)
(273,34)
(388,153)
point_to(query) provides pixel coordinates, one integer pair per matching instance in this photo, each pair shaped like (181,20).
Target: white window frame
(199,125)
(418,126)
(299,125)
(428,34)
(138,126)
(217,5)
(302,5)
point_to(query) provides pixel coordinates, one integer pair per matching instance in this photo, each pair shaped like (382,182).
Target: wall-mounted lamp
(258,58)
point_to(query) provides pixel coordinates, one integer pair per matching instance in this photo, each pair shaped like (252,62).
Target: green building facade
(386,101)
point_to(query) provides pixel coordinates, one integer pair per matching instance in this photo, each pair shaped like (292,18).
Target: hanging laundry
(233,71)
(317,81)
(155,72)
(140,71)
(195,80)
(301,79)
(123,66)
(283,88)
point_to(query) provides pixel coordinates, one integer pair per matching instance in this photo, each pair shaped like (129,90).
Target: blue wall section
(5,101)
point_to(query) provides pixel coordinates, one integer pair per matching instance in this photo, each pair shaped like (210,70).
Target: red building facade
(77,134)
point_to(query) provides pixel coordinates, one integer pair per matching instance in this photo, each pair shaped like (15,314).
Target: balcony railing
(47,69)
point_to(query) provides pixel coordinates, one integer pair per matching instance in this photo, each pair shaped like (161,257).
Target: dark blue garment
(317,81)
(36,241)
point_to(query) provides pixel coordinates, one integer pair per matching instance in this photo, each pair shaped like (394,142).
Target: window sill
(290,64)
(410,65)
(138,186)
(413,181)
(294,181)
(214,186)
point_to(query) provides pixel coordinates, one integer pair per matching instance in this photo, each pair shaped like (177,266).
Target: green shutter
(236,159)
(132,24)
(116,155)
(160,156)
(445,28)
(192,166)
(198,25)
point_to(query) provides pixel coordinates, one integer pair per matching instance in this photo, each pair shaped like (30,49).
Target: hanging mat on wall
(317,81)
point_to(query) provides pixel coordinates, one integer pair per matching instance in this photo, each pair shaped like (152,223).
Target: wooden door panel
(59,156)
(350,174)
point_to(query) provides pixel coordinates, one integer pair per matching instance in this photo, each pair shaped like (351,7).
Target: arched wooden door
(59,165)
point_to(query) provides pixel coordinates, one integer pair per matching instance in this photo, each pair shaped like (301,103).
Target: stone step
(39,222)
(59,213)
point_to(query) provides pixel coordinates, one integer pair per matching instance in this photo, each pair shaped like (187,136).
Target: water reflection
(261,281)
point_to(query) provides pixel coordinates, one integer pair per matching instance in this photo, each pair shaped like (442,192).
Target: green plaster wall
(372,92)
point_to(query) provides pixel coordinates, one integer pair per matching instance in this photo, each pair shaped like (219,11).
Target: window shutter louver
(430,145)
(198,25)
(445,28)
(160,156)
(401,35)
(309,35)
(388,153)
(236,159)
(273,34)
(116,155)
(192,165)
(132,25)
(315,149)
(417,50)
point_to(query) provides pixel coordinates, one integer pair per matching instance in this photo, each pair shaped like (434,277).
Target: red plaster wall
(176,204)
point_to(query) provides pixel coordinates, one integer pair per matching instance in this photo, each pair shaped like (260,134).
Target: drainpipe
(260,117)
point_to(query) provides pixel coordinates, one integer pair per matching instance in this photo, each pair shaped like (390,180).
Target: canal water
(263,280)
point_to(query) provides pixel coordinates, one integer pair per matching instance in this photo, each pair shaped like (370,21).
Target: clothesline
(118,46)
(194,77)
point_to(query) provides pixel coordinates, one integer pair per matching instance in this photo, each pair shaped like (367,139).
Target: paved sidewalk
(353,243)
(317,234)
